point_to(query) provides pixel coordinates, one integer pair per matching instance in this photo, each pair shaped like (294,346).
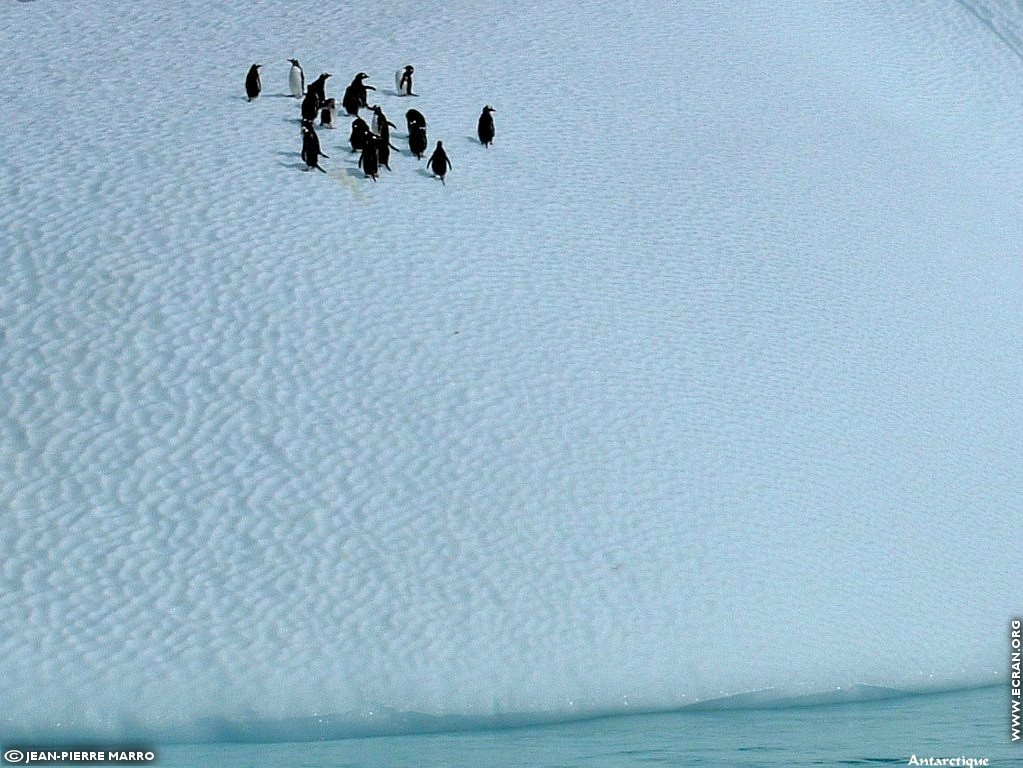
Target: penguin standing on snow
(403,80)
(310,105)
(414,117)
(350,101)
(327,112)
(252,83)
(382,128)
(360,134)
(485,127)
(296,79)
(417,140)
(439,162)
(360,88)
(381,125)
(368,160)
(311,153)
(319,87)
(384,148)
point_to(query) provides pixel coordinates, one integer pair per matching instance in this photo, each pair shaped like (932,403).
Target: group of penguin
(374,143)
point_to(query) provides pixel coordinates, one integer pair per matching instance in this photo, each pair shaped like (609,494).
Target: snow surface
(704,380)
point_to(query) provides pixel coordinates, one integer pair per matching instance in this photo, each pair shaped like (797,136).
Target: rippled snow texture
(704,379)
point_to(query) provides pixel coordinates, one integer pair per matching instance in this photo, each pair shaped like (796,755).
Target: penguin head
(294,62)
(410,68)
(489,108)
(361,76)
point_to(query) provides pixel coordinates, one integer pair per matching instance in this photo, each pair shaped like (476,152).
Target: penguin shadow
(355,173)
(473,140)
(426,173)
(293,166)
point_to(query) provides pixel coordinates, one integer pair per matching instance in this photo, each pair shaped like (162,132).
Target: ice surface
(704,380)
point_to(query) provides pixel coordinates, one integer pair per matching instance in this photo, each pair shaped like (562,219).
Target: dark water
(966,724)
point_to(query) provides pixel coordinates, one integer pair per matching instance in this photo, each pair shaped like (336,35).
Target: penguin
(439,162)
(310,104)
(296,79)
(403,80)
(368,160)
(417,141)
(327,112)
(318,86)
(311,153)
(252,83)
(384,148)
(380,122)
(485,127)
(359,89)
(350,101)
(413,117)
(360,134)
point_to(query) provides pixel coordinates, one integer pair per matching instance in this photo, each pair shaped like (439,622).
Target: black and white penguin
(296,79)
(417,141)
(485,127)
(350,101)
(360,134)
(381,125)
(384,148)
(310,105)
(369,160)
(319,87)
(327,112)
(360,88)
(252,83)
(403,80)
(311,153)
(439,162)
(414,117)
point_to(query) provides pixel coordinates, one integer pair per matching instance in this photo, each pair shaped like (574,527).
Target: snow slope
(703,380)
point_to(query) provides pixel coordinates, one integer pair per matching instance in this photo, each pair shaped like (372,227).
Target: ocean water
(971,724)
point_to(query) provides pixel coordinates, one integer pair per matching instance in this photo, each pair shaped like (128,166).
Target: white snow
(704,379)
